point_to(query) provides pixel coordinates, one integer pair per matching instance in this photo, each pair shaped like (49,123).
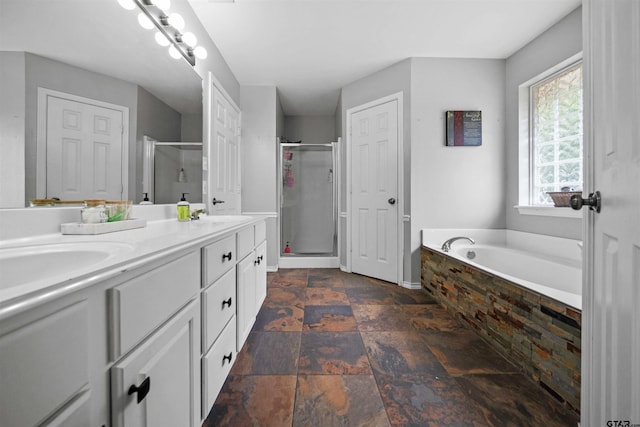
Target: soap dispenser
(146,200)
(183,209)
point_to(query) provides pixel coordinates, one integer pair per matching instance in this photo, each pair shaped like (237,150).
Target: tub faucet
(447,245)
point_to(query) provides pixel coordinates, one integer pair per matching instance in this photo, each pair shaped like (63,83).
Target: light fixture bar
(161,23)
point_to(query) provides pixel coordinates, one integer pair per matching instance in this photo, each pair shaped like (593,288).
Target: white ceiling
(309,49)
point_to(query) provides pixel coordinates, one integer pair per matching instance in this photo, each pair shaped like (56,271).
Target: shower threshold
(308,254)
(308,261)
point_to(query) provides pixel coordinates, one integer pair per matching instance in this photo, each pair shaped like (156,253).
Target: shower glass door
(308,200)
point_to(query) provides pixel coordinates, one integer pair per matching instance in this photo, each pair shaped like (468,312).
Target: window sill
(548,211)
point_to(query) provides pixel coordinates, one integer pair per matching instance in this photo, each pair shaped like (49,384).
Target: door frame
(398,97)
(41,136)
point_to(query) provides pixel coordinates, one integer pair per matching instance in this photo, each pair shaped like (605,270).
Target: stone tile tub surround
(539,334)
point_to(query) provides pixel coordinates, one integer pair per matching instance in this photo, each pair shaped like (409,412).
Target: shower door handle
(392,201)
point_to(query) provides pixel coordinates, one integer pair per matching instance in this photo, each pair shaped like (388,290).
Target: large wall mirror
(57,53)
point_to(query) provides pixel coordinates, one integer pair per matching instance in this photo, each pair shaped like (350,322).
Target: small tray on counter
(105,227)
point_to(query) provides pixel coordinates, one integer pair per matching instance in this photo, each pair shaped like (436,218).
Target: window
(555,134)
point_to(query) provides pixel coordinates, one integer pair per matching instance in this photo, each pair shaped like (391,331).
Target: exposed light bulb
(200,52)
(144,21)
(161,39)
(176,21)
(189,39)
(163,5)
(173,52)
(127,4)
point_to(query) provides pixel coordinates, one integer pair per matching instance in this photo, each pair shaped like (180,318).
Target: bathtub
(550,266)
(520,292)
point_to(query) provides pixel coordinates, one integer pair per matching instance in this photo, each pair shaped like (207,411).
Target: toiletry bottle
(146,200)
(183,209)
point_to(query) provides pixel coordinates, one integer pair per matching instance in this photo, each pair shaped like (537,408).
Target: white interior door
(374,191)
(224,158)
(611,302)
(84,150)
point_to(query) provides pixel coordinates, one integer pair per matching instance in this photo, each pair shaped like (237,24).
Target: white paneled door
(374,191)
(224,156)
(611,302)
(84,150)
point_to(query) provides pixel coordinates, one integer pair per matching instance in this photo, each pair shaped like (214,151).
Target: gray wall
(258,104)
(215,62)
(12,128)
(557,44)
(310,129)
(280,118)
(260,116)
(455,187)
(191,128)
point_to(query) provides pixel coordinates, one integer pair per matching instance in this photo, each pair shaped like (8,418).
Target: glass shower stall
(308,200)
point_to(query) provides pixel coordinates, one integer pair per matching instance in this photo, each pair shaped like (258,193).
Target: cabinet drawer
(43,365)
(260,232)
(219,303)
(216,364)
(218,258)
(145,302)
(246,241)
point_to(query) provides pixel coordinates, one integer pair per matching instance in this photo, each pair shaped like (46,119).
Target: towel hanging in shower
(289,181)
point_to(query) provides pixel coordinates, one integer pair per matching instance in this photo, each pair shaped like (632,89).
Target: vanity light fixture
(170,26)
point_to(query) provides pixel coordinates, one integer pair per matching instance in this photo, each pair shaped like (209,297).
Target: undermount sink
(24,264)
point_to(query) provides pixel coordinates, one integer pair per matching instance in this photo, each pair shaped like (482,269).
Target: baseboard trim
(410,285)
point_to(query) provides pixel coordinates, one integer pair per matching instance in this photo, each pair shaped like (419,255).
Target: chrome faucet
(447,245)
(195,215)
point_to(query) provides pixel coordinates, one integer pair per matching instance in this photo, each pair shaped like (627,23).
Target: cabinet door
(44,363)
(246,298)
(158,383)
(261,275)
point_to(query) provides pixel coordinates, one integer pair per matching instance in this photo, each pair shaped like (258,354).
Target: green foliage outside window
(556,134)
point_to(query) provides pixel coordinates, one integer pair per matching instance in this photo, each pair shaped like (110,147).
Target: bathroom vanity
(142,336)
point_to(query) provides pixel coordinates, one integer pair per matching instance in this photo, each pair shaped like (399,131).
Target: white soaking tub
(547,265)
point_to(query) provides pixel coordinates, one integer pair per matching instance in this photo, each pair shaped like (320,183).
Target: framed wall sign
(464,128)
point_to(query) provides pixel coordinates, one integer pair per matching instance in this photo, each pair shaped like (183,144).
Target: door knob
(215,202)
(392,201)
(594,201)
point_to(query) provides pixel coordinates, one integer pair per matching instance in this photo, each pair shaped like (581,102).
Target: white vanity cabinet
(155,324)
(44,366)
(157,384)
(218,317)
(148,342)
(252,279)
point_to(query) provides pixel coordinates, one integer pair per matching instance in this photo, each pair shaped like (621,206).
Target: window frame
(525,142)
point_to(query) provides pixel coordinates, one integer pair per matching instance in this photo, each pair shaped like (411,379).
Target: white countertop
(133,249)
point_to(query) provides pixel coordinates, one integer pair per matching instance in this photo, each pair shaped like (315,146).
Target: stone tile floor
(335,349)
